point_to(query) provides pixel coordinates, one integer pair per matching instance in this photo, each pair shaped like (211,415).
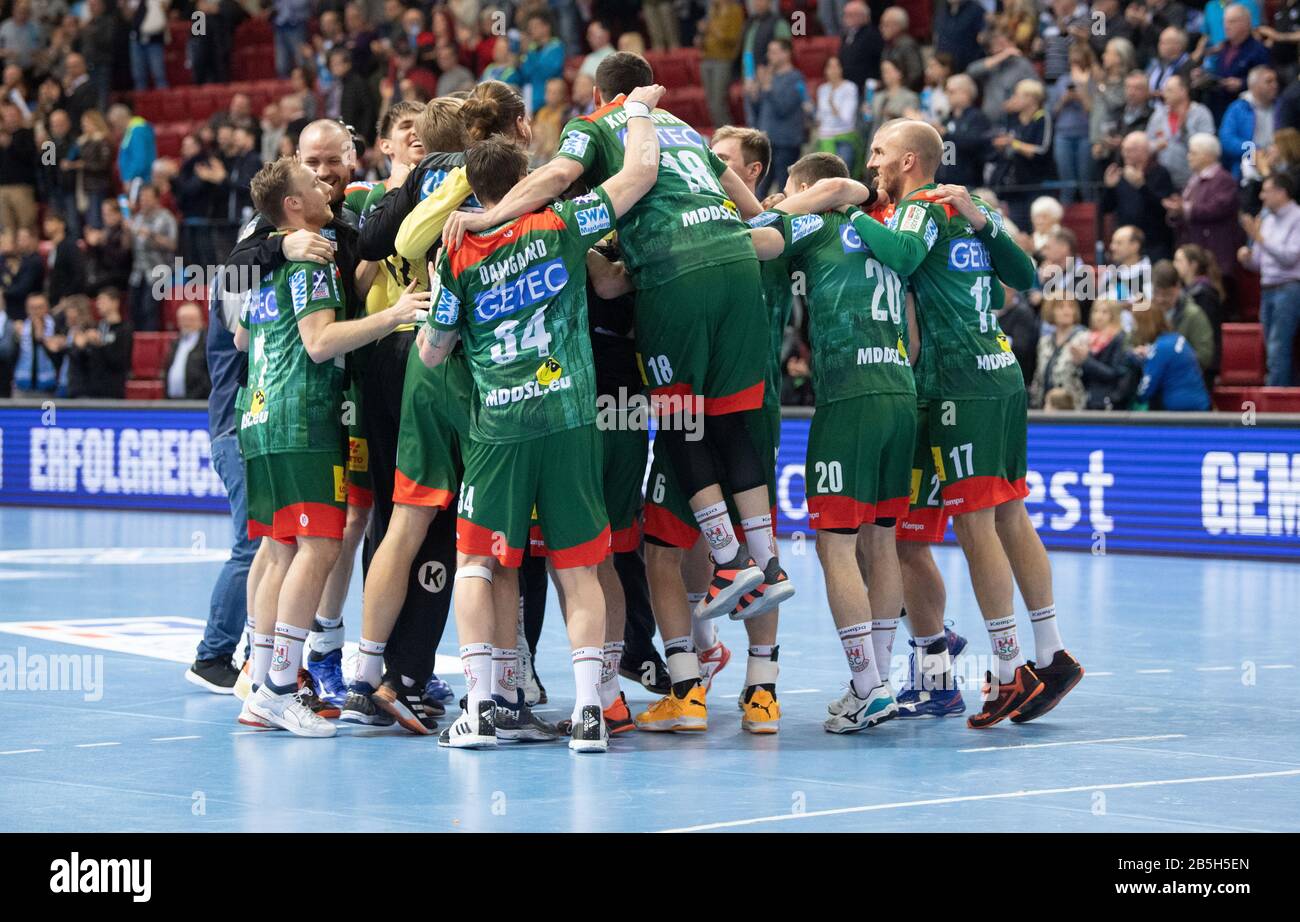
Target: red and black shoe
(1010,699)
(1059,676)
(775,589)
(730,582)
(313,701)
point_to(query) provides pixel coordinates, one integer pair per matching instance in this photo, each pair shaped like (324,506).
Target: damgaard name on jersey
(995,361)
(492,273)
(966,254)
(526,391)
(881,355)
(725,212)
(538,284)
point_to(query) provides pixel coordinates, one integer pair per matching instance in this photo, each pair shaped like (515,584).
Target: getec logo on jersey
(966,254)
(803,225)
(540,283)
(261,307)
(575,144)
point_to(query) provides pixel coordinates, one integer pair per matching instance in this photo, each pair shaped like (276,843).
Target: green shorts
(703,337)
(553,478)
(625,451)
(292,494)
(669,519)
(434,430)
(360,491)
(859,464)
(981,453)
(926,520)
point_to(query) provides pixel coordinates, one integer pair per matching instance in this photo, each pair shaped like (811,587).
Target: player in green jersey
(516,295)
(291,432)
(701,334)
(952,250)
(858,474)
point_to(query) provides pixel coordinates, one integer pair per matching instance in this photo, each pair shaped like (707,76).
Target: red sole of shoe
(1009,714)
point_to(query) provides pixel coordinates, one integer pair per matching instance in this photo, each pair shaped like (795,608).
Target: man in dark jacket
(860,45)
(1136,191)
(967,131)
(107,348)
(65,268)
(351,97)
(185,373)
(957,27)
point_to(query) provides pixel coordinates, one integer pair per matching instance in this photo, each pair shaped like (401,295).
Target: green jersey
(290,403)
(856,310)
(685,222)
(518,295)
(778,295)
(958,295)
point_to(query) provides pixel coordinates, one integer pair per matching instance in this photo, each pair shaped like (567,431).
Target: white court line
(168,739)
(1153,671)
(1094,675)
(801,691)
(1215,668)
(969,798)
(1278,666)
(18,752)
(95,745)
(1113,739)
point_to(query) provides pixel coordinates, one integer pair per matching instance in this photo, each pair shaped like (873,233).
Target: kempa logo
(103,875)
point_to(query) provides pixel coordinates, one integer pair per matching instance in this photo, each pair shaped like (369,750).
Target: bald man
(953,250)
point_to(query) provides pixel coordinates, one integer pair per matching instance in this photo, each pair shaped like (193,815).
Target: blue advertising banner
(1134,483)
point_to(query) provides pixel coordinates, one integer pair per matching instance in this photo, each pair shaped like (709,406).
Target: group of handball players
(468,332)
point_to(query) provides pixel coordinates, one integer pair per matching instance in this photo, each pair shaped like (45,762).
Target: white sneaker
(288,713)
(249,719)
(527,678)
(838,706)
(472,731)
(244,684)
(860,713)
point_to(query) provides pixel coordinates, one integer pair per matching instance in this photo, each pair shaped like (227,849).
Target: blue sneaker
(956,642)
(327,673)
(438,690)
(915,703)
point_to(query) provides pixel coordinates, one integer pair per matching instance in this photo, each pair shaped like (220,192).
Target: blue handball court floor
(1186,721)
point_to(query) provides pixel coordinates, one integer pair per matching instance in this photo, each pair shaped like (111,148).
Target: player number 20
(830,477)
(535,337)
(888,288)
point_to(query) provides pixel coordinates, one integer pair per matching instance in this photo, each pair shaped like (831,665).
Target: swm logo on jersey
(448,310)
(766,218)
(575,144)
(593,220)
(298,290)
(965,254)
(540,283)
(803,225)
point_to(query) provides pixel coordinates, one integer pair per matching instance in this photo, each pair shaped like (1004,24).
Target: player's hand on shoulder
(959,198)
(305,245)
(649,95)
(460,223)
(776,198)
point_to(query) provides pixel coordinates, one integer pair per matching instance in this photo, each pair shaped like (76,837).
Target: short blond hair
(440,127)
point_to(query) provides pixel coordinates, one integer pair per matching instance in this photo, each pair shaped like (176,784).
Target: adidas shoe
(517,722)
(589,733)
(472,731)
(406,706)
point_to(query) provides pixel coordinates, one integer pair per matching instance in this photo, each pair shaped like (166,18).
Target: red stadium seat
(736,103)
(148,352)
(1243,354)
(1081,220)
(255,32)
(1278,399)
(1247,295)
(145,390)
(811,54)
(675,69)
(1234,399)
(689,105)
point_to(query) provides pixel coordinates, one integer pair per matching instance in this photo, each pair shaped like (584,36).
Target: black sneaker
(472,731)
(360,708)
(406,706)
(647,669)
(1059,676)
(518,723)
(588,734)
(216,675)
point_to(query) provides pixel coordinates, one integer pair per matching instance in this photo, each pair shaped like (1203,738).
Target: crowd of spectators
(1179,122)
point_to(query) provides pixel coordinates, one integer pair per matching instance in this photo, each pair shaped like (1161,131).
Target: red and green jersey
(518,295)
(685,222)
(857,315)
(290,403)
(958,295)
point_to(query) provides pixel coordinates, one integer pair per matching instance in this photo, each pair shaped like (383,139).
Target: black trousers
(423,616)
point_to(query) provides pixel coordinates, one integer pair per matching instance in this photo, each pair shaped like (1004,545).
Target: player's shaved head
(905,154)
(324,131)
(919,138)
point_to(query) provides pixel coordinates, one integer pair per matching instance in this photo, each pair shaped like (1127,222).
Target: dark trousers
(423,616)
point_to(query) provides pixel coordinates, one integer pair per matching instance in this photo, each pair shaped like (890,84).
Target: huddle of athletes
(430,341)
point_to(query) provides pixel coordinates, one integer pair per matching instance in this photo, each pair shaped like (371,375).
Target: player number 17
(982,292)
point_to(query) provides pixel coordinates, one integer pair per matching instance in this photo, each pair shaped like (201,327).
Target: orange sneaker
(618,718)
(1010,698)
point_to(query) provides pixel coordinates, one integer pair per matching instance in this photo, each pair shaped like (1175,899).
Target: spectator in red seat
(186,369)
(108,249)
(238,114)
(1205,212)
(1058,364)
(65,269)
(1174,122)
(153,230)
(718,39)
(860,45)
(1274,252)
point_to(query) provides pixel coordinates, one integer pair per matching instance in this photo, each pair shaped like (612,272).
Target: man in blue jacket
(136,152)
(543,61)
(1251,120)
(776,98)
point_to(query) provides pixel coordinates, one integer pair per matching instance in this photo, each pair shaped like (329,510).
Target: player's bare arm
(610,279)
(241,338)
(326,338)
(640,153)
(365,276)
(739,193)
(435,344)
(769,243)
(829,194)
(1010,263)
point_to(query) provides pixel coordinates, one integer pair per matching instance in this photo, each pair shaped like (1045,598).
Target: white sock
(1006,646)
(505,669)
(1047,635)
(370,662)
(704,632)
(856,639)
(262,644)
(715,525)
(761,668)
(286,658)
(611,655)
(930,669)
(883,631)
(326,635)
(759,538)
(476,661)
(587,663)
(683,666)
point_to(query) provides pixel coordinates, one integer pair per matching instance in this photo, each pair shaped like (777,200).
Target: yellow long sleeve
(421,228)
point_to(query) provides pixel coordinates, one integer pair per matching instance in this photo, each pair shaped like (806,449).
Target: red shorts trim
(625,539)
(751,398)
(847,512)
(409,493)
(665,527)
(361,497)
(322,521)
(483,542)
(926,525)
(976,493)
(588,554)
